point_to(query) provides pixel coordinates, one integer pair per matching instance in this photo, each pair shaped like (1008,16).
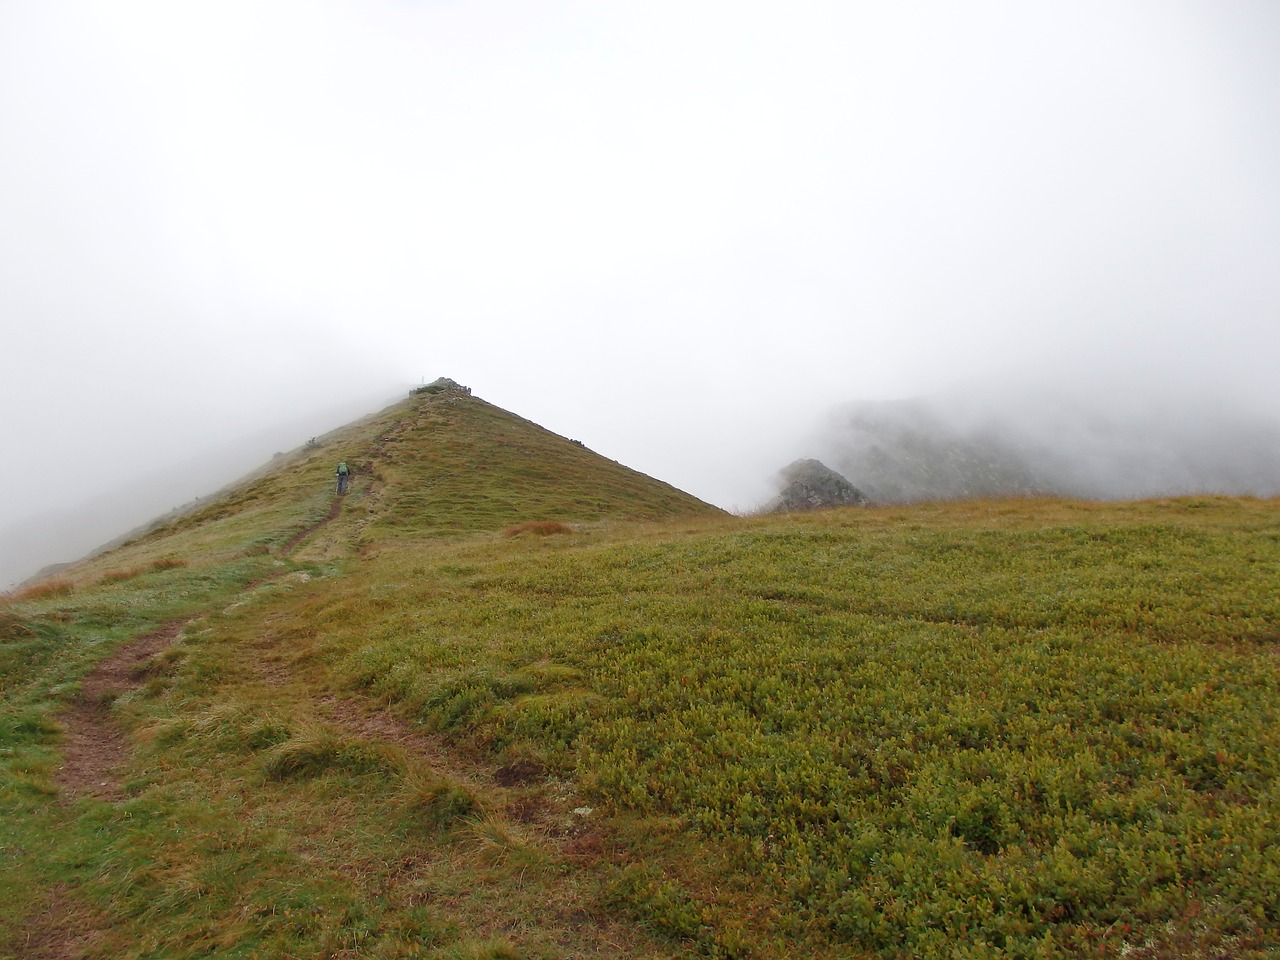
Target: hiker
(343,474)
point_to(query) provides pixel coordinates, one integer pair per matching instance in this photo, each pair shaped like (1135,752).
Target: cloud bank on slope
(1026,440)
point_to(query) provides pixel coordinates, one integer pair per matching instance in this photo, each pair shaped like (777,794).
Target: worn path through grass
(1027,729)
(95,745)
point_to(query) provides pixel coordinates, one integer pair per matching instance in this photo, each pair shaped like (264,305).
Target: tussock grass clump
(541,528)
(45,589)
(314,750)
(437,802)
(14,627)
(117,576)
(231,724)
(496,843)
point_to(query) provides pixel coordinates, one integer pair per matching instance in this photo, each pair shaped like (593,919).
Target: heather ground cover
(580,714)
(1016,729)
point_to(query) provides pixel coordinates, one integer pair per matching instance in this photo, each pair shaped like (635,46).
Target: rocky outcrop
(443,385)
(812,485)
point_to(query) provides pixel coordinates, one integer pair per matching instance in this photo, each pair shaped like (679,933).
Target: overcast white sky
(677,231)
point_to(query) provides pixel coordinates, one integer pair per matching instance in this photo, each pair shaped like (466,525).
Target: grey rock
(812,485)
(443,385)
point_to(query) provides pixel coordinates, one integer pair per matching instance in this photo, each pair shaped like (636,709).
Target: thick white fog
(1090,439)
(682,233)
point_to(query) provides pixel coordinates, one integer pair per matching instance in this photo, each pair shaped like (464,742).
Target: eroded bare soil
(95,745)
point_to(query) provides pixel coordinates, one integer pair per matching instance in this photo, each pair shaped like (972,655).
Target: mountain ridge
(371,443)
(508,699)
(1015,442)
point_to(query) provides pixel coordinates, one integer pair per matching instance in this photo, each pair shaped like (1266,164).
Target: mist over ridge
(218,218)
(986,439)
(1019,439)
(58,526)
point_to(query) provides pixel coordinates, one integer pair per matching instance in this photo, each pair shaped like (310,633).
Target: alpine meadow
(507,698)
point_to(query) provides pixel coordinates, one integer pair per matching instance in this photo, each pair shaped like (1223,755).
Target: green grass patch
(1029,729)
(1020,733)
(313,751)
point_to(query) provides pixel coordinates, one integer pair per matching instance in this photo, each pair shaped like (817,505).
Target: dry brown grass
(13,627)
(155,566)
(55,587)
(115,576)
(543,528)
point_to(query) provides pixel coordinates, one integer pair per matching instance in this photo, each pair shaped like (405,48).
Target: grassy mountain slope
(1033,728)
(433,466)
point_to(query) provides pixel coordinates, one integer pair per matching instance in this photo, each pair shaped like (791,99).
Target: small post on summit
(343,475)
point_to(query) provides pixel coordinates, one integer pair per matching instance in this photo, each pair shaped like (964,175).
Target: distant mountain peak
(812,485)
(1020,443)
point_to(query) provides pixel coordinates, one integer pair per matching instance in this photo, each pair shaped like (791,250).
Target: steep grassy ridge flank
(455,465)
(982,730)
(260,513)
(244,819)
(431,465)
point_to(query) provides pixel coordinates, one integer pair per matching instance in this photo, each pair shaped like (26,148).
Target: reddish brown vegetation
(543,528)
(112,576)
(45,588)
(128,573)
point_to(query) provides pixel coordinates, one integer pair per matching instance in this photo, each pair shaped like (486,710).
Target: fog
(127,495)
(1021,438)
(686,234)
